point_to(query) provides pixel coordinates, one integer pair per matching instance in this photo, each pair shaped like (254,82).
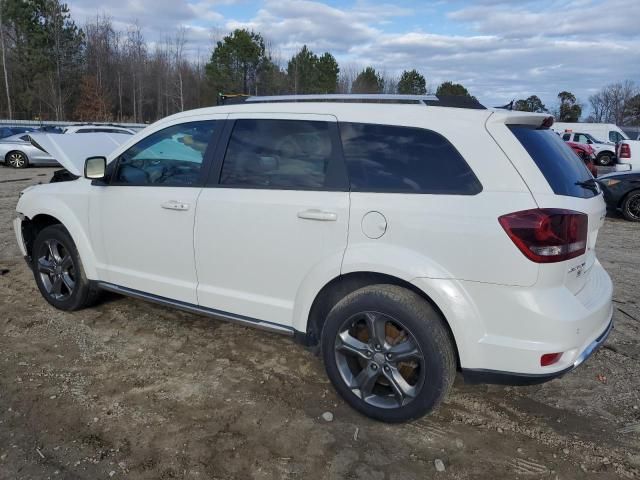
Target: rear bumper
(504,330)
(511,378)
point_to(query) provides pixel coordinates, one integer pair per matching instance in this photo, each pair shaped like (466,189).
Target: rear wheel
(17,160)
(631,206)
(388,353)
(58,270)
(604,159)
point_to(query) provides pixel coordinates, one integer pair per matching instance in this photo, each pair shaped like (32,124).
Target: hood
(71,151)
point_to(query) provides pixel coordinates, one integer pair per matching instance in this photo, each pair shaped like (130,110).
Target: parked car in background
(380,232)
(6,132)
(604,132)
(628,156)
(21,151)
(622,192)
(605,152)
(586,154)
(98,129)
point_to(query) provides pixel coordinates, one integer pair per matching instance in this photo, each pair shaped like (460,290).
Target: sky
(499,49)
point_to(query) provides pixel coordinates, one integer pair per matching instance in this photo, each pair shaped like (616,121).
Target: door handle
(175,205)
(320,215)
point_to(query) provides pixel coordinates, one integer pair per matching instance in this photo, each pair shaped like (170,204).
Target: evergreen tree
(368,81)
(412,83)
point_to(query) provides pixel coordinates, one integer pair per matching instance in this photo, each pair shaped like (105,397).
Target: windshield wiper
(589,184)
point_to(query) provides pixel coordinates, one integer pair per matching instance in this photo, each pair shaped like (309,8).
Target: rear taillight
(625,151)
(547,235)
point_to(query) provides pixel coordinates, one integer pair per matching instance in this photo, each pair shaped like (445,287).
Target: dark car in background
(10,131)
(622,192)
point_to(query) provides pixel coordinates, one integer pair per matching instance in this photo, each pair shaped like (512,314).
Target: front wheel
(17,160)
(605,159)
(631,206)
(58,270)
(388,353)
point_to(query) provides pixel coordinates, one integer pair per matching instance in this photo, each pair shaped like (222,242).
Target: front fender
(70,208)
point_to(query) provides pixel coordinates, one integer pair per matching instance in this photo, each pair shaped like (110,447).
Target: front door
(142,222)
(274,217)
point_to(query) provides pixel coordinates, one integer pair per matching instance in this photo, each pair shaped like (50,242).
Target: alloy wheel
(633,207)
(380,360)
(56,269)
(17,160)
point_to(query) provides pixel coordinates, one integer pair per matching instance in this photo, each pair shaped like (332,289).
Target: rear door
(273,216)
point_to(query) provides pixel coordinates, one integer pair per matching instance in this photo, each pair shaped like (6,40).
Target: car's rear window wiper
(589,184)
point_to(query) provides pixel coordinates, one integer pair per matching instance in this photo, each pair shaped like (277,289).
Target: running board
(188,307)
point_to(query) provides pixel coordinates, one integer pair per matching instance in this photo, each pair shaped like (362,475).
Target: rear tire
(58,270)
(604,159)
(388,353)
(17,160)
(631,206)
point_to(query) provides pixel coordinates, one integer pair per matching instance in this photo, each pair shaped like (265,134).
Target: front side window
(288,154)
(169,157)
(385,158)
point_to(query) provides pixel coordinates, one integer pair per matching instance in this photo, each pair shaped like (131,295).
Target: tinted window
(562,168)
(172,156)
(566,137)
(278,154)
(383,158)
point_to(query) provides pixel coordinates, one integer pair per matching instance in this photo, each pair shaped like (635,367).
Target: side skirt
(188,307)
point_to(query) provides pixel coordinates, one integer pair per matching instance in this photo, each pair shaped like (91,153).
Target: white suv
(404,239)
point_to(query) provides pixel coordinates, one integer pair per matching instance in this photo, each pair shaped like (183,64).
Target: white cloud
(504,49)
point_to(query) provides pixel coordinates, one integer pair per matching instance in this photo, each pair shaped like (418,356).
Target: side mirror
(95,168)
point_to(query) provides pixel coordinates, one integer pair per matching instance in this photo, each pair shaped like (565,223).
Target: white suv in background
(404,238)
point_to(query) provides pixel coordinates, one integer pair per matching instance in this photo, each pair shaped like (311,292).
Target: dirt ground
(132,390)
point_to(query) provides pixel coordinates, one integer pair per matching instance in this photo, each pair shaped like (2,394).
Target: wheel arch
(52,211)
(337,288)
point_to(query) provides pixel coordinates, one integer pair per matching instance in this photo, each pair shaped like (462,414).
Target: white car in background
(98,129)
(605,152)
(403,239)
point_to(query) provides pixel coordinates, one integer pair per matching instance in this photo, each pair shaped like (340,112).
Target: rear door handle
(320,215)
(175,205)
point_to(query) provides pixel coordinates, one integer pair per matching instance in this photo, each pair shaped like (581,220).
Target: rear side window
(566,137)
(280,154)
(384,158)
(562,168)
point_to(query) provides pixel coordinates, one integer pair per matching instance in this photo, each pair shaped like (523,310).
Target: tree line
(52,69)
(55,70)
(617,103)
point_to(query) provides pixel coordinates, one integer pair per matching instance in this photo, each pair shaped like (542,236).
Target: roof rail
(430,100)
(349,97)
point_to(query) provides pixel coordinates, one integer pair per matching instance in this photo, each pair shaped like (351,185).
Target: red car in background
(587,154)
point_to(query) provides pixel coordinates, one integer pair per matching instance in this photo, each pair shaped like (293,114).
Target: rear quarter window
(562,168)
(393,159)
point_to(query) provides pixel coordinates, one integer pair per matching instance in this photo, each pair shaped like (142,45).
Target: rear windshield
(562,168)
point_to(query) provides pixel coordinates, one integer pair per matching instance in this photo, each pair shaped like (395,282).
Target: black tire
(631,206)
(16,159)
(419,325)
(61,282)
(605,159)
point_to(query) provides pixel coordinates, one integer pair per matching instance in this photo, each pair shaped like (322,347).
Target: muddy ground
(133,390)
